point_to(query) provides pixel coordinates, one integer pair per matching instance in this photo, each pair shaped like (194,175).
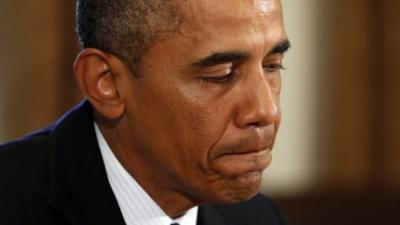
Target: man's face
(204,115)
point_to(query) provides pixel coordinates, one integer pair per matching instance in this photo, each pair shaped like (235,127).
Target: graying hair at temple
(126,28)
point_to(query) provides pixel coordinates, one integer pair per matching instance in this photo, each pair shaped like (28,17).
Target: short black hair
(126,28)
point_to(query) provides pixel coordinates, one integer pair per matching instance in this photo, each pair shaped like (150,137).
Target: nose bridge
(258,106)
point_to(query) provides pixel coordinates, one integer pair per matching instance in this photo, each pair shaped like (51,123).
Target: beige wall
(294,166)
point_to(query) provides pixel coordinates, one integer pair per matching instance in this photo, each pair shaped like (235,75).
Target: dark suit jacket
(56,176)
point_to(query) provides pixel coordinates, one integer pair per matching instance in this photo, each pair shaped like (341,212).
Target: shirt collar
(136,205)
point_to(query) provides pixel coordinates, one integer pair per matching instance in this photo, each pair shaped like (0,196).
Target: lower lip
(238,164)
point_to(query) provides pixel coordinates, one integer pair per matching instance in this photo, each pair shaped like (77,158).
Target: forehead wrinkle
(238,8)
(202,13)
(260,29)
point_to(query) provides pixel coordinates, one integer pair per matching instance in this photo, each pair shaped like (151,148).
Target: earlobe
(95,76)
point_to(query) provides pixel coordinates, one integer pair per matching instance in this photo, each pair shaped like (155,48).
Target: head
(199,113)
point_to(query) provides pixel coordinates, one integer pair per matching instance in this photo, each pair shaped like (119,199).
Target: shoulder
(23,173)
(24,148)
(258,210)
(22,160)
(29,161)
(37,146)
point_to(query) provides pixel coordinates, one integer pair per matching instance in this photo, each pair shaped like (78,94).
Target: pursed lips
(255,141)
(241,161)
(244,151)
(249,153)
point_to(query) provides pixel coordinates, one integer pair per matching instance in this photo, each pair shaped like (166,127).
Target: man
(181,115)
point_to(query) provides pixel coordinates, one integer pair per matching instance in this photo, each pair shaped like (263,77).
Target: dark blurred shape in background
(360,101)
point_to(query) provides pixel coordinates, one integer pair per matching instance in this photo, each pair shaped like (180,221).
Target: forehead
(202,11)
(211,26)
(227,19)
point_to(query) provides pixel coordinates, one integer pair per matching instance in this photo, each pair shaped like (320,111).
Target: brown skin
(190,133)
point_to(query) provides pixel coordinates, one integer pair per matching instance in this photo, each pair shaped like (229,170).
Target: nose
(259,102)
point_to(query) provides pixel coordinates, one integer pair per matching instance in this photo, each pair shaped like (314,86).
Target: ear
(96,73)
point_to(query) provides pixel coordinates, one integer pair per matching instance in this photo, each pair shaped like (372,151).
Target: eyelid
(273,58)
(219,80)
(216,71)
(220,73)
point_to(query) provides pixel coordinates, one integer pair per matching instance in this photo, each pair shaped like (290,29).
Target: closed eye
(226,79)
(219,79)
(273,67)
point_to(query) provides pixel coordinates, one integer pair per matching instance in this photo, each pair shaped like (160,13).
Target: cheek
(205,117)
(205,123)
(206,126)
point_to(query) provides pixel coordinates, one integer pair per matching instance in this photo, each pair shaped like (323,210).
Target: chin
(240,196)
(237,189)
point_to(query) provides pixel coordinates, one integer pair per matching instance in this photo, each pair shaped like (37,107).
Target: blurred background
(337,158)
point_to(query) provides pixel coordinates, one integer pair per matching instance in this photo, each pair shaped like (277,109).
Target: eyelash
(219,80)
(274,67)
(229,77)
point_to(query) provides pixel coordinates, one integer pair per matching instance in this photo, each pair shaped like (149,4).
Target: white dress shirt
(137,207)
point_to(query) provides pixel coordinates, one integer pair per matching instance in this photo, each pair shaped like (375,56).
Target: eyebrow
(220,58)
(225,57)
(281,47)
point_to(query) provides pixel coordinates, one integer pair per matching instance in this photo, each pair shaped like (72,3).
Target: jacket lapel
(78,186)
